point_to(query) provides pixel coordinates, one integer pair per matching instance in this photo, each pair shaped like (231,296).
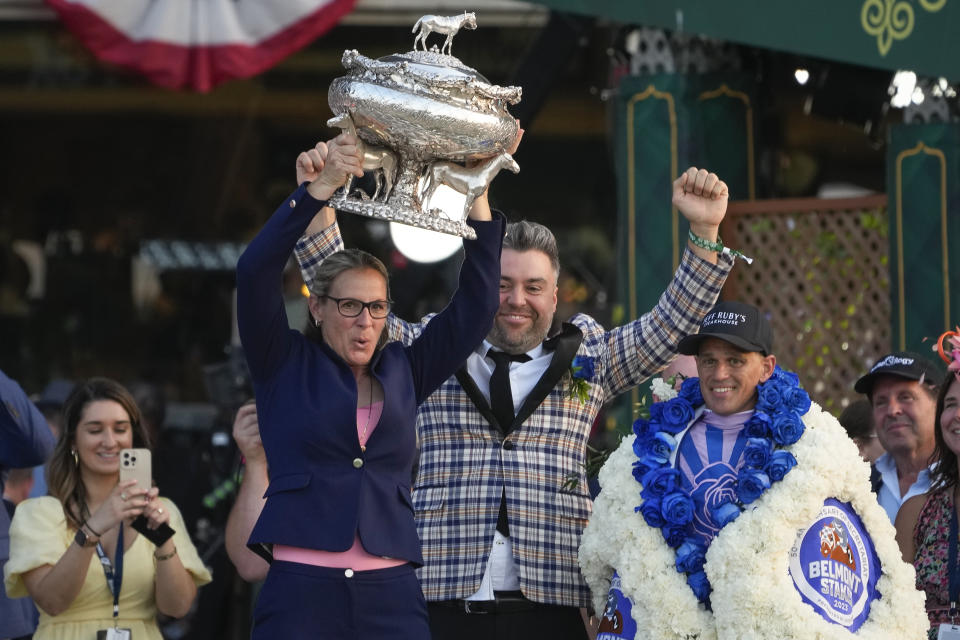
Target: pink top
(356,557)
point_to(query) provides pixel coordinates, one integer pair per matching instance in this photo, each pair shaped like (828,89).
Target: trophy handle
(470,181)
(375,158)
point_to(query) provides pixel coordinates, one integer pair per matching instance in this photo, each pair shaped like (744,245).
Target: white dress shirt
(501,573)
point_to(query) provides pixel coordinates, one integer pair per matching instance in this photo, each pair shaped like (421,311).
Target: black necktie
(501,402)
(501,396)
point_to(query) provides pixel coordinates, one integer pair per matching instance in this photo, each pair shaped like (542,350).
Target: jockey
(726,542)
(734,355)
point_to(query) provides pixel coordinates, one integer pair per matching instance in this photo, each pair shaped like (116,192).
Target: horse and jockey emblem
(616,621)
(834,544)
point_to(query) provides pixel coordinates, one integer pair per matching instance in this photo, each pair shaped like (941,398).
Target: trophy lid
(431,65)
(427,71)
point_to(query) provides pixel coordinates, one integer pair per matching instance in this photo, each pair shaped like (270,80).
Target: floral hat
(952,355)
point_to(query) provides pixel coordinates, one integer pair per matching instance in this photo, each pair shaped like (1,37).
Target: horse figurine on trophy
(375,158)
(471,182)
(447,25)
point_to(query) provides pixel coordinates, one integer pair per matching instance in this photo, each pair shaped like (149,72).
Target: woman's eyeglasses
(351,307)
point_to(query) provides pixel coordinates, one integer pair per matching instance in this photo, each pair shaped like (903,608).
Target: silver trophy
(421,116)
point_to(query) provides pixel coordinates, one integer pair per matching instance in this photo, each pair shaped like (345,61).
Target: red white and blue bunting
(198,44)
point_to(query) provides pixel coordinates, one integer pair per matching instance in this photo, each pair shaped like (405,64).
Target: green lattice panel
(823,276)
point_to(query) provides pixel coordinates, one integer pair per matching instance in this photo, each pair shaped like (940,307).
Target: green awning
(916,35)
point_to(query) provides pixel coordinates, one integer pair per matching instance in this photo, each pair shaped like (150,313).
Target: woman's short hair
(944,475)
(63,473)
(335,264)
(331,267)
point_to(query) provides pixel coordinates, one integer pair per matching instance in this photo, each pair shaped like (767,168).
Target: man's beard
(520,341)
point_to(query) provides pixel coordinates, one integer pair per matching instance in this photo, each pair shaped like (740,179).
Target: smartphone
(135,464)
(157,536)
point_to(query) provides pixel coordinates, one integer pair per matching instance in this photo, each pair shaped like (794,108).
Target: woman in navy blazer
(337,420)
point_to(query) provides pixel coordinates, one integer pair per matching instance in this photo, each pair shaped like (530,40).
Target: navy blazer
(25,441)
(323,489)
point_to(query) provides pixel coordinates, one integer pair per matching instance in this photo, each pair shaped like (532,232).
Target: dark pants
(303,601)
(542,621)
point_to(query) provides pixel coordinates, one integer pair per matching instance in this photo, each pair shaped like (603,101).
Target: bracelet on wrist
(717,246)
(165,556)
(92,530)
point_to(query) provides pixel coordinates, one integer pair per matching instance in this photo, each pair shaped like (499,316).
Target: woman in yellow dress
(56,541)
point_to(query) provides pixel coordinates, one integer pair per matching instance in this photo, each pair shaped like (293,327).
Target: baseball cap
(741,324)
(902,364)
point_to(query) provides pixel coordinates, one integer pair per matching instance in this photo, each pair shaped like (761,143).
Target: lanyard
(114,574)
(952,566)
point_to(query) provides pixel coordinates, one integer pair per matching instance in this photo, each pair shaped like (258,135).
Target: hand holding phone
(135,465)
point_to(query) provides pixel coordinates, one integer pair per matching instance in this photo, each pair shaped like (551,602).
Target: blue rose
(751,483)
(798,400)
(650,510)
(641,469)
(675,414)
(650,462)
(700,585)
(641,427)
(780,464)
(656,413)
(724,513)
(691,556)
(757,452)
(771,395)
(690,391)
(758,426)
(677,508)
(640,444)
(659,482)
(646,449)
(786,428)
(787,377)
(674,534)
(656,449)
(583,368)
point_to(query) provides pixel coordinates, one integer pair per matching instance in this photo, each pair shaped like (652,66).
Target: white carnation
(753,594)
(661,390)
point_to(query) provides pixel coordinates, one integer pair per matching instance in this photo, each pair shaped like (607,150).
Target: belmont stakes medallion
(616,622)
(835,567)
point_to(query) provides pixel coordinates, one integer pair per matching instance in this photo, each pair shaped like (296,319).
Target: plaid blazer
(466,463)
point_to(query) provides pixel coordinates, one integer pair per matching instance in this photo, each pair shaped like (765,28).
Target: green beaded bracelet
(717,246)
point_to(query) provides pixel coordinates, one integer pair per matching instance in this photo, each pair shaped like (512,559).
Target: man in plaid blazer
(499,530)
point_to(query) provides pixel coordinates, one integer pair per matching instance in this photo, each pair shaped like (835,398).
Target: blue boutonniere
(581,373)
